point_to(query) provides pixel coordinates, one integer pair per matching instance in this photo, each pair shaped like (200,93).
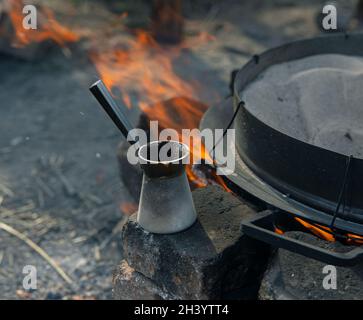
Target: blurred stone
(293,276)
(167,22)
(213,259)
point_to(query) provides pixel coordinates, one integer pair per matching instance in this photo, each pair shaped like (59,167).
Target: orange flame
(326,233)
(144,71)
(354,239)
(146,66)
(194,179)
(320,231)
(181,113)
(279,231)
(49,28)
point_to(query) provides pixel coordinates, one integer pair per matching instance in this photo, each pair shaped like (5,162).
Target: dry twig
(37,249)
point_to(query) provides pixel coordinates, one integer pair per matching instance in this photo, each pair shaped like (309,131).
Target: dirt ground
(59,180)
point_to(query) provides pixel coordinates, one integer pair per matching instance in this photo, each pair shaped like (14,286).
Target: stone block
(131,285)
(293,276)
(211,260)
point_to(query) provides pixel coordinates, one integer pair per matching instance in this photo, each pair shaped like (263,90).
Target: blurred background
(62,202)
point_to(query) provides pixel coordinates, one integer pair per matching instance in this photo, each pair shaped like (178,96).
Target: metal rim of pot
(167,168)
(184,147)
(308,173)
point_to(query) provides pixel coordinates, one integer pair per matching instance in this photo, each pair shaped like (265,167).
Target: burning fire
(146,66)
(319,230)
(143,70)
(325,232)
(48,27)
(354,239)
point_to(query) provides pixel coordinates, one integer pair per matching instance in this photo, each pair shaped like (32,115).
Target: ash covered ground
(59,181)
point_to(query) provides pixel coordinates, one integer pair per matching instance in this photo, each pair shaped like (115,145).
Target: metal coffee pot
(166,204)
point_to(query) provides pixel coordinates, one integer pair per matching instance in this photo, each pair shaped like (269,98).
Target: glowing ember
(327,234)
(354,239)
(318,230)
(48,29)
(279,231)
